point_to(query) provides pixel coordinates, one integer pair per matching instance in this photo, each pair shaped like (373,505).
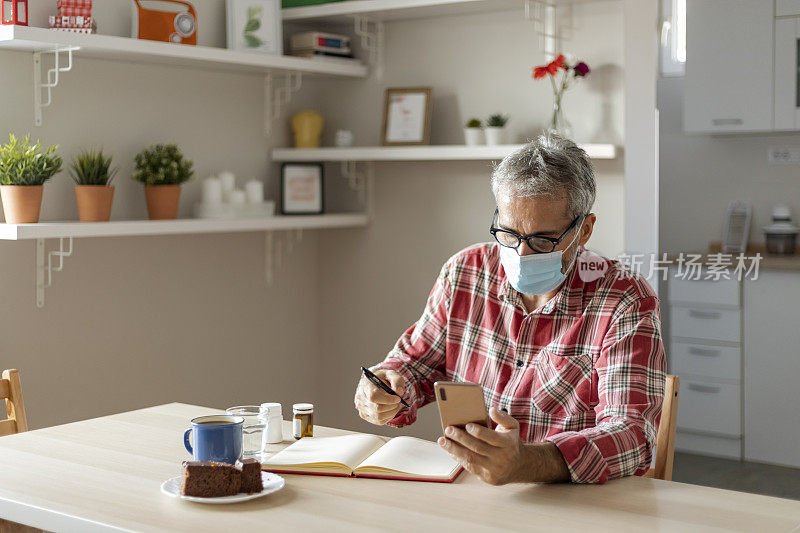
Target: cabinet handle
(703,352)
(727,121)
(703,388)
(714,315)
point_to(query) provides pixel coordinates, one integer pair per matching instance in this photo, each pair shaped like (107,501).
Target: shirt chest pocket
(562,382)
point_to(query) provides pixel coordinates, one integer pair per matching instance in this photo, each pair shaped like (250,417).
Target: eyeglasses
(538,243)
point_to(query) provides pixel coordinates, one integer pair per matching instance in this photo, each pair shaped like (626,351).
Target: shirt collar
(568,300)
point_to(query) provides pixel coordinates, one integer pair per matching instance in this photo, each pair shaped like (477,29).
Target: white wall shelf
(30,39)
(122,228)
(420,153)
(386,10)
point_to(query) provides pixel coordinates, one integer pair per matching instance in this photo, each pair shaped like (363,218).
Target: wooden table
(104,474)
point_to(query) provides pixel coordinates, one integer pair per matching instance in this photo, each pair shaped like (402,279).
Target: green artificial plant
(23,163)
(162,164)
(497,120)
(474,123)
(92,168)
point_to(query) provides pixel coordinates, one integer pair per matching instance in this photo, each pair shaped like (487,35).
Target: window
(673,37)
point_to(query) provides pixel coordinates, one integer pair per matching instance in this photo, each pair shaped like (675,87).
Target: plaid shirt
(585,371)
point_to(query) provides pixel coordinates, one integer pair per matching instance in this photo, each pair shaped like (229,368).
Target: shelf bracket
(277,249)
(276,95)
(41,88)
(45,269)
(552,22)
(372,34)
(361,182)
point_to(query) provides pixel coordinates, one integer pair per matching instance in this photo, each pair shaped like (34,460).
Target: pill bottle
(272,416)
(303,423)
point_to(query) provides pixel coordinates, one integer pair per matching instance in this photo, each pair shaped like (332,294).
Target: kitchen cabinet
(772,368)
(705,351)
(729,66)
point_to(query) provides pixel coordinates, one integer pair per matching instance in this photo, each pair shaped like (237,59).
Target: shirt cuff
(584,460)
(406,415)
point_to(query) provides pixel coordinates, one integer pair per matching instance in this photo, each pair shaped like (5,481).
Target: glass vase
(559,123)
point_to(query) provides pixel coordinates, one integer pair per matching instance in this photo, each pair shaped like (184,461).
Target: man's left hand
(496,456)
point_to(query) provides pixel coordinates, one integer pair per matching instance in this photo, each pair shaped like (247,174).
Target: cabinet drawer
(706,323)
(710,407)
(708,292)
(724,362)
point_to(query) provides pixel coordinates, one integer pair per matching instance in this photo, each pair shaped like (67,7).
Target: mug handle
(187,440)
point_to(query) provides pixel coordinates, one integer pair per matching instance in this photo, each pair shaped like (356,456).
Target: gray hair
(549,166)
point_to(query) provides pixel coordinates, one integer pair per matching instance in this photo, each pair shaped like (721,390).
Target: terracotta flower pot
(94,202)
(21,203)
(162,201)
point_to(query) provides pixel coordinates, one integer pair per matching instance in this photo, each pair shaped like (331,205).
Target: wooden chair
(665,440)
(11,391)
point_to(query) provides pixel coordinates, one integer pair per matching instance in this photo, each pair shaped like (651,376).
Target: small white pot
(495,135)
(473,136)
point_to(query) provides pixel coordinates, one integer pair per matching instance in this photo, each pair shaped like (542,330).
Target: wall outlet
(783,155)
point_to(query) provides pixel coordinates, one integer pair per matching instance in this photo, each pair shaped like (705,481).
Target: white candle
(228,180)
(255,191)
(212,191)
(238,197)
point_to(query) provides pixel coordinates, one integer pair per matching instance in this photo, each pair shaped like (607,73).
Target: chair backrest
(11,391)
(665,440)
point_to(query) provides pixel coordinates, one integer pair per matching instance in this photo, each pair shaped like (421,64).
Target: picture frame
(407,116)
(254,25)
(302,189)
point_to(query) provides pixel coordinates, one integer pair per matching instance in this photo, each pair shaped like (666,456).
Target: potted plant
(496,129)
(162,169)
(473,132)
(24,168)
(94,193)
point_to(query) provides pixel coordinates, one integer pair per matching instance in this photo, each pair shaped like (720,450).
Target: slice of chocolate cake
(251,476)
(208,479)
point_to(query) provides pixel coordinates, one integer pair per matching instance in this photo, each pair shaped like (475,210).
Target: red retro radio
(173,21)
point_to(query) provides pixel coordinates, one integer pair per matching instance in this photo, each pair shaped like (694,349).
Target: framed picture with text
(302,189)
(407,116)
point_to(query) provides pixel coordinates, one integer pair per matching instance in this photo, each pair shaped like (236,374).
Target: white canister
(212,191)
(272,416)
(255,192)
(228,180)
(237,197)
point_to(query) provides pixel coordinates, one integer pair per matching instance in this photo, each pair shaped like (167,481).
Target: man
(566,344)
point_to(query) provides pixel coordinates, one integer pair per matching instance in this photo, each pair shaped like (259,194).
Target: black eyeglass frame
(554,242)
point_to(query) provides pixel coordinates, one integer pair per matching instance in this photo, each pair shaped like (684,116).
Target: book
(363,455)
(319,40)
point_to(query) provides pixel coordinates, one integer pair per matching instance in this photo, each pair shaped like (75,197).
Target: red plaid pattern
(74,8)
(585,371)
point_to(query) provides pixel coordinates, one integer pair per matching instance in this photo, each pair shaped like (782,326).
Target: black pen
(379,382)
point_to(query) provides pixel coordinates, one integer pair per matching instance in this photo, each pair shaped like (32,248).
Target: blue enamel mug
(215,438)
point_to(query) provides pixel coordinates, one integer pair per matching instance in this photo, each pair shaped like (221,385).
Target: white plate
(272,483)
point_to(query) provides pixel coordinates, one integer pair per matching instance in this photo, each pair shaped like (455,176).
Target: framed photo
(301,189)
(407,116)
(255,25)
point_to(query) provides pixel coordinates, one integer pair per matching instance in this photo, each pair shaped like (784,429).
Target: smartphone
(460,403)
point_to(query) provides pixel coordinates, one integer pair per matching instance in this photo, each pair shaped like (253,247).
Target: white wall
(374,284)
(139,321)
(701,174)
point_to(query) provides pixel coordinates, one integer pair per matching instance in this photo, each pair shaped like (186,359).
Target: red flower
(551,68)
(581,69)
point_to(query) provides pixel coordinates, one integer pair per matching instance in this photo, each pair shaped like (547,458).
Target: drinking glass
(252,429)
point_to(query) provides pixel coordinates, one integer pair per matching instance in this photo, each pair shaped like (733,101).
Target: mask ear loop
(577,234)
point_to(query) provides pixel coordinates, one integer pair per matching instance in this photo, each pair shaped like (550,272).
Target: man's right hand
(376,405)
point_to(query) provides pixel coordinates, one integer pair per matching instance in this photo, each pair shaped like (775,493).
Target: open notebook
(365,455)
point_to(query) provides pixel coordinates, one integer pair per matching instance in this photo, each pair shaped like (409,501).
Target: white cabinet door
(729,65)
(772,368)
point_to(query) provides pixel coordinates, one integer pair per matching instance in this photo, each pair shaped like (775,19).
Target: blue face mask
(534,274)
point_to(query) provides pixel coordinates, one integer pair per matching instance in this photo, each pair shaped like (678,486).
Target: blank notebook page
(413,456)
(348,450)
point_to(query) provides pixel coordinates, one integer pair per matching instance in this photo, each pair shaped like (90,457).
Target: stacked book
(73,16)
(321,45)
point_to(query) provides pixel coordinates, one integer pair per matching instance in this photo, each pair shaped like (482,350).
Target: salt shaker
(272,416)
